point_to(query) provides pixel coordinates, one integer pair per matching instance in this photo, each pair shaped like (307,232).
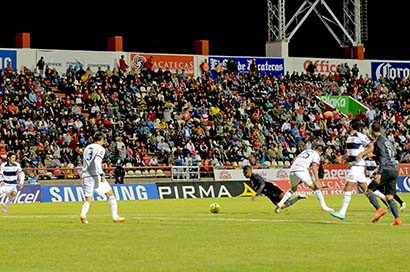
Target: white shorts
(356,174)
(6,188)
(93,185)
(300,176)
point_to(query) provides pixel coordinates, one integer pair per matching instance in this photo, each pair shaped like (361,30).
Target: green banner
(344,104)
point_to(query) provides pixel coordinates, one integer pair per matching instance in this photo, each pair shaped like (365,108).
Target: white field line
(203,217)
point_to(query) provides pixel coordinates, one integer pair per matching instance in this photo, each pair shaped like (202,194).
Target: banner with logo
(62,59)
(274,66)
(172,63)
(75,193)
(175,190)
(344,104)
(325,66)
(273,174)
(28,194)
(8,57)
(390,69)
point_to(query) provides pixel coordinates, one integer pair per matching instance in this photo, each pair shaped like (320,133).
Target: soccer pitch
(183,235)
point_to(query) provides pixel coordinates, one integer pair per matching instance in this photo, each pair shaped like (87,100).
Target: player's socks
(291,201)
(398,199)
(373,200)
(319,196)
(114,206)
(84,209)
(287,195)
(393,208)
(346,200)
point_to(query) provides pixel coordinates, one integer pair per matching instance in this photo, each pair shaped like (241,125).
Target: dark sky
(232,27)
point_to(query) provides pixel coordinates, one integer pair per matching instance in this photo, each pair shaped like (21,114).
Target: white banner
(62,59)
(272,174)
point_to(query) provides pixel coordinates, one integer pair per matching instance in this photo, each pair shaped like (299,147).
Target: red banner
(330,187)
(165,62)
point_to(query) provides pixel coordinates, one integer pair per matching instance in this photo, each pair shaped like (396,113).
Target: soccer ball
(215,208)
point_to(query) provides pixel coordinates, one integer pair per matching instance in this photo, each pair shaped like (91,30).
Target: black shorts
(373,186)
(272,192)
(389,181)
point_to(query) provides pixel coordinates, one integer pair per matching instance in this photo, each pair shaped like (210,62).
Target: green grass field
(182,235)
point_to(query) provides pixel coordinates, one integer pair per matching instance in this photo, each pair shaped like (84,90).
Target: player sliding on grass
(268,189)
(94,179)
(300,172)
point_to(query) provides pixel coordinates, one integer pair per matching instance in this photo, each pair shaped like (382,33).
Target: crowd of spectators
(160,117)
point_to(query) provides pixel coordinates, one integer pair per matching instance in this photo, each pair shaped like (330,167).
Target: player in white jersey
(307,160)
(355,144)
(94,179)
(10,173)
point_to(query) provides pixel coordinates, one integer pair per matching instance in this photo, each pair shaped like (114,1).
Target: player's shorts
(373,186)
(272,192)
(7,188)
(356,174)
(389,181)
(297,177)
(93,185)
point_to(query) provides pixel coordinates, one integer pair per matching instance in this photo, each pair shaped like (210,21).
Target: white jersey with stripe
(371,166)
(92,160)
(304,160)
(355,144)
(10,173)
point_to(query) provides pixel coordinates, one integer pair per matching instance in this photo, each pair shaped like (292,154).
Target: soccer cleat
(338,215)
(119,219)
(303,197)
(83,220)
(327,209)
(379,213)
(277,210)
(4,208)
(402,206)
(397,222)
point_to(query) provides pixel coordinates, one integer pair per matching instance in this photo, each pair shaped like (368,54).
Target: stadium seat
(128,165)
(130,173)
(160,173)
(138,173)
(152,172)
(280,163)
(274,163)
(267,163)
(287,163)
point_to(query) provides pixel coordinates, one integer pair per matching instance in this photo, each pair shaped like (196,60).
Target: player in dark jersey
(373,187)
(387,173)
(268,189)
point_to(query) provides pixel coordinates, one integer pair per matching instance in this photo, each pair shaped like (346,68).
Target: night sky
(232,28)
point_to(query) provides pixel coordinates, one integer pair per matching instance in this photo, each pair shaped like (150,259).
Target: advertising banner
(221,174)
(175,190)
(329,187)
(345,104)
(403,182)
(171,62)
(325,66)
(390,69)
(8,57)
(28,194)
(75,193)
(274,66)
(62,59)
